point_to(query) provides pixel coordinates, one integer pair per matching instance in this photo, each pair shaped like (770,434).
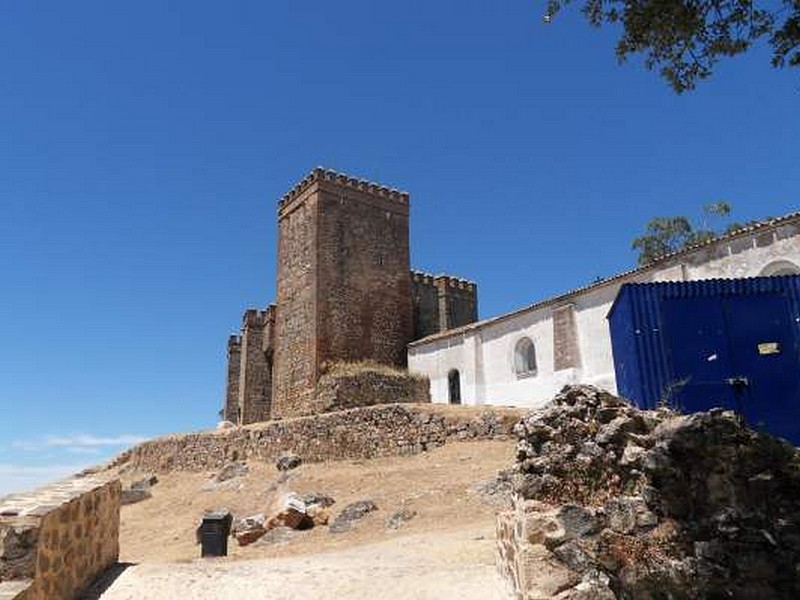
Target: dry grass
(354,368)
(436,484)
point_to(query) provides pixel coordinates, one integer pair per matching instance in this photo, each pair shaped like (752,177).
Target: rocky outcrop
(611,501)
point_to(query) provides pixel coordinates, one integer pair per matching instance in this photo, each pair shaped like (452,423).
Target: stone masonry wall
(348,387)
(458,302)
(425,305)
(231,410)
(387,430)
(59,538)
(294,374)
(255,379)
(343,282)
(610,501)
(566,351)
(363,286)
(442,302)
(344,293)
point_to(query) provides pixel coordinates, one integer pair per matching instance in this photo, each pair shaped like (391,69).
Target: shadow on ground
(105,581)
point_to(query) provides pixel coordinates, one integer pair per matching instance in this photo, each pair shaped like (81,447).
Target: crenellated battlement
(422,277)
(234,342)
(341,179)
(256,318)
(454,282)
(442,280)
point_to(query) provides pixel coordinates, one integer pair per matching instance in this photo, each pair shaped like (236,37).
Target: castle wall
(425,305)
(570,333)
(255,377)
(231,409)
(441,303)
(344,294)
(458,302)
(345,386)
(358,433)
(343,283)
(363,285)
(294,367)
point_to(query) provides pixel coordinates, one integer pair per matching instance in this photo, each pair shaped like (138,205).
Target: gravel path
(415,567)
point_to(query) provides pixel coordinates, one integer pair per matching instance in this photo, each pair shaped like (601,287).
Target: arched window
(454,387)
(780,267)
(525,358)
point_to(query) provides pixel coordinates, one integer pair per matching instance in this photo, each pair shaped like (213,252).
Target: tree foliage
(665,235)
(684,39)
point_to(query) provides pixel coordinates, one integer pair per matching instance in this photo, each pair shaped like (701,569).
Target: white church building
(524,357)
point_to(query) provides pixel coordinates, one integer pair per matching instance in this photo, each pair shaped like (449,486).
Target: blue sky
(143,147)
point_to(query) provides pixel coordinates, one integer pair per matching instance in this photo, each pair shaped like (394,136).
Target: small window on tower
(525,358)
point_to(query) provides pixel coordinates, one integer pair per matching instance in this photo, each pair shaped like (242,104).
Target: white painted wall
(484,352)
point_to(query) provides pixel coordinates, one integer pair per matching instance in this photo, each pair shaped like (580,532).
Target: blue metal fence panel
(720,342)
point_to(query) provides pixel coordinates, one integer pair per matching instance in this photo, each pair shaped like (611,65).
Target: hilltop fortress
(345,292)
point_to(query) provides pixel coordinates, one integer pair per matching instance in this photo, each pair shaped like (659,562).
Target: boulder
(317,498)
(318,514)
(400,517)
(289,510)
(232,470)
(288,461)
(249,529)
(351,513)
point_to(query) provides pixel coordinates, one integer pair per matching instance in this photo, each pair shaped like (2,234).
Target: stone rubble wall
(55,541)
(337,390)
(367,432)
(615,502)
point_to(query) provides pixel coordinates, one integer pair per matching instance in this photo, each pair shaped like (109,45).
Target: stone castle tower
(345,293)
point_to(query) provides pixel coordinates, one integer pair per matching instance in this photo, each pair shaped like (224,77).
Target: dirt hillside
(439,486)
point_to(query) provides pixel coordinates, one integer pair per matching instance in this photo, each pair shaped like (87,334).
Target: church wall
(484,354)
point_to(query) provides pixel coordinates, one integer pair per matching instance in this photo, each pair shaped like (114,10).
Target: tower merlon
(454,282)
(256,318)
(321,174)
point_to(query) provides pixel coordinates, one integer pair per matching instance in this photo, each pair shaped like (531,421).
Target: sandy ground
(438,485)
(440,566)
(445,551)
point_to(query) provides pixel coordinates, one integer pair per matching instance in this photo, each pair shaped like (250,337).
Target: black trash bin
(214,532)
